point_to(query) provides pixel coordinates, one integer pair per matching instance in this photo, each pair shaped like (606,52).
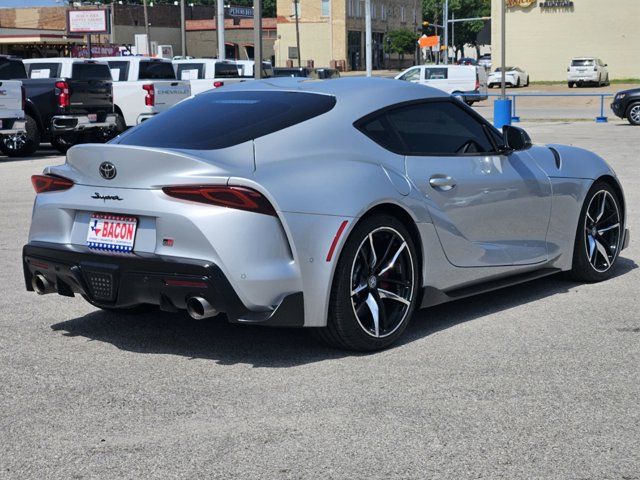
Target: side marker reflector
(343,225)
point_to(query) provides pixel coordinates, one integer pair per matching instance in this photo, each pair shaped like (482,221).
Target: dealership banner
(88,21)
(80,51)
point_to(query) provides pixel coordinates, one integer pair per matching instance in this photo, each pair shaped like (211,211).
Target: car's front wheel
(599,235)
(375,287)
(633,113)
(23,144)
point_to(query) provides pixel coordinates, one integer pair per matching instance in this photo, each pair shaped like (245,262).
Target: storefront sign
(520,3)
(556,4)
(239,12)
(87,21)
(80,51)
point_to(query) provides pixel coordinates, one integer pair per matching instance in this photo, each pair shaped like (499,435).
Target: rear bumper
(13,127)
(76,123)
(127,280)
(143,117)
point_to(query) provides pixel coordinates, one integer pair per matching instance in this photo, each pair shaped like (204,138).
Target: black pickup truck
(67,101)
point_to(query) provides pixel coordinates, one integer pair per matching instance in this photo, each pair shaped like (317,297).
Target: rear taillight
(150,97)
(240,198)
(218,84)
(62,91)
(50,183)
(477,84)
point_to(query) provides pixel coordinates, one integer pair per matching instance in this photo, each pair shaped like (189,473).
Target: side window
(378,130)
(438,128)
(436,73)
(412,75)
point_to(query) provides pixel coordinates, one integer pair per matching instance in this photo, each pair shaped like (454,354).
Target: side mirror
(515,138)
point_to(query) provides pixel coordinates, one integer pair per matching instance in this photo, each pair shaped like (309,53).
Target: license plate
(93,117)
(111,232)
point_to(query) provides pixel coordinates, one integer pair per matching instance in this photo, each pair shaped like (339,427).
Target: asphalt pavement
(539,380)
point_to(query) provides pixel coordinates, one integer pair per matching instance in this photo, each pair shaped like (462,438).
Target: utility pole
(503,53)
(257,40)
(222,54)
(297,7)
(367,33)
(453,38)
(445,25)
(183,33)
(146,26)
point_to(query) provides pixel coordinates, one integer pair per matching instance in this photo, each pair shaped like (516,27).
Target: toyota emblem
(108,170)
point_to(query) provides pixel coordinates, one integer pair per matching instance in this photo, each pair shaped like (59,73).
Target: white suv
(587,70)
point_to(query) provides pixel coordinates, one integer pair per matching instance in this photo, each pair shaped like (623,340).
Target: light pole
(367,33)
(297,7)
(146,26)
(446,31)
(220,27)
(183,33)
(503,53)
(257,39)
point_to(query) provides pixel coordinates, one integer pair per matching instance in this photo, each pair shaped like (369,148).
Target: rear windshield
(43,70)
(119,70)
(190,71)
(290,72)
(156,71)
(219,119)
(582,63)
(11,69)
(436,73)
(226,70)
(90,71)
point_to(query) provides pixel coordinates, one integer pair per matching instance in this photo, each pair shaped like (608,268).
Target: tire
(599,235)
(518,83)
(64,142)
(391,291)
(571,84)
(469,102)
(633,113)
(527,84)
(22,145)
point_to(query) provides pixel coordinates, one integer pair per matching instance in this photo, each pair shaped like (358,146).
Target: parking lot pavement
(539,380)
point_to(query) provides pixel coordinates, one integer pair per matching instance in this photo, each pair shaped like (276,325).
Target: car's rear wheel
(375,286)
(633,113)
(599,235)
(570,84)
(23,144)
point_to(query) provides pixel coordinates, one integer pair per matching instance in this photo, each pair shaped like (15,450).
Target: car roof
(360,95)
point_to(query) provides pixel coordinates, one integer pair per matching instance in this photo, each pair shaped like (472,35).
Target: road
(535,381)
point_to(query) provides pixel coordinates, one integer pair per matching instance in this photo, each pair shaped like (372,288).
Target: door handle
(440,182)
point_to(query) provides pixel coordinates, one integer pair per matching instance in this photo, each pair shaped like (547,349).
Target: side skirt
(432,296)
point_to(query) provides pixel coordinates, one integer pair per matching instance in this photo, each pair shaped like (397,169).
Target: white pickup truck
(144,87)
(207,73)
(12,120)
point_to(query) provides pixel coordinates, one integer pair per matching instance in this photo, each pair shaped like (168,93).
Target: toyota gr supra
(342,205)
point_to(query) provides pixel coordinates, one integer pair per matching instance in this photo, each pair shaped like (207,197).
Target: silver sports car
(342,205)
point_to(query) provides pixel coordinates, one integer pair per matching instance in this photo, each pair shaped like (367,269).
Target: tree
(466,33)
(401,41)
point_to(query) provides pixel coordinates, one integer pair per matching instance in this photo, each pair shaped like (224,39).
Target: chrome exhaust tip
(198,308)
(41,285)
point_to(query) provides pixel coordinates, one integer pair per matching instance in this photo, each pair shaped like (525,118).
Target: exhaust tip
(40,284)
(198,308)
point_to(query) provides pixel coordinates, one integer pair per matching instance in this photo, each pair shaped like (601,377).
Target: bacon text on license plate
(111,232)
(93,117)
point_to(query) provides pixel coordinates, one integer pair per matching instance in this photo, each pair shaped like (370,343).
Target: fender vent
(556,155)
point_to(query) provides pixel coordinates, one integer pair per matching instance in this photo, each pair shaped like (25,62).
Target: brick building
(332,32)
(202,38)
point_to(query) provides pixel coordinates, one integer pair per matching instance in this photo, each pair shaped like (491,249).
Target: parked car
(144,87)
(626,104)
(415,200)
(245,68)
(485,61)
(467,61)
(318,73)
(206,73)
(12,118)
(466,82)
(514,77)
(70,101)
(587,71)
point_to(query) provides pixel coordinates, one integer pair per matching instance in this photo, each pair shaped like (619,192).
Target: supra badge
(108,170)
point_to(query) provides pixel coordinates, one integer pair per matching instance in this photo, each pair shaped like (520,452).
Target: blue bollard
(501,113)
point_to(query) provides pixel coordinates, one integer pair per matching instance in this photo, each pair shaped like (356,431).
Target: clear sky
(29,3)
